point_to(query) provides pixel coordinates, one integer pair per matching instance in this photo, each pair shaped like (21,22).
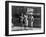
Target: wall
(2,19)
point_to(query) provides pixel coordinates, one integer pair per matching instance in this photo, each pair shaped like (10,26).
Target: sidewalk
(23,28)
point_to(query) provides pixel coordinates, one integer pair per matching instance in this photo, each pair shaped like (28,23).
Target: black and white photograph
(25,18)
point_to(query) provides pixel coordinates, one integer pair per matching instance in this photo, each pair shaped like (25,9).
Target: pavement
(23,28)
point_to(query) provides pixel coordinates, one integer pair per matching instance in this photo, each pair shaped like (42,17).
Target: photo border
(7,17)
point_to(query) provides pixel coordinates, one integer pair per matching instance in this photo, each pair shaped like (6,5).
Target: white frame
(29,31)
